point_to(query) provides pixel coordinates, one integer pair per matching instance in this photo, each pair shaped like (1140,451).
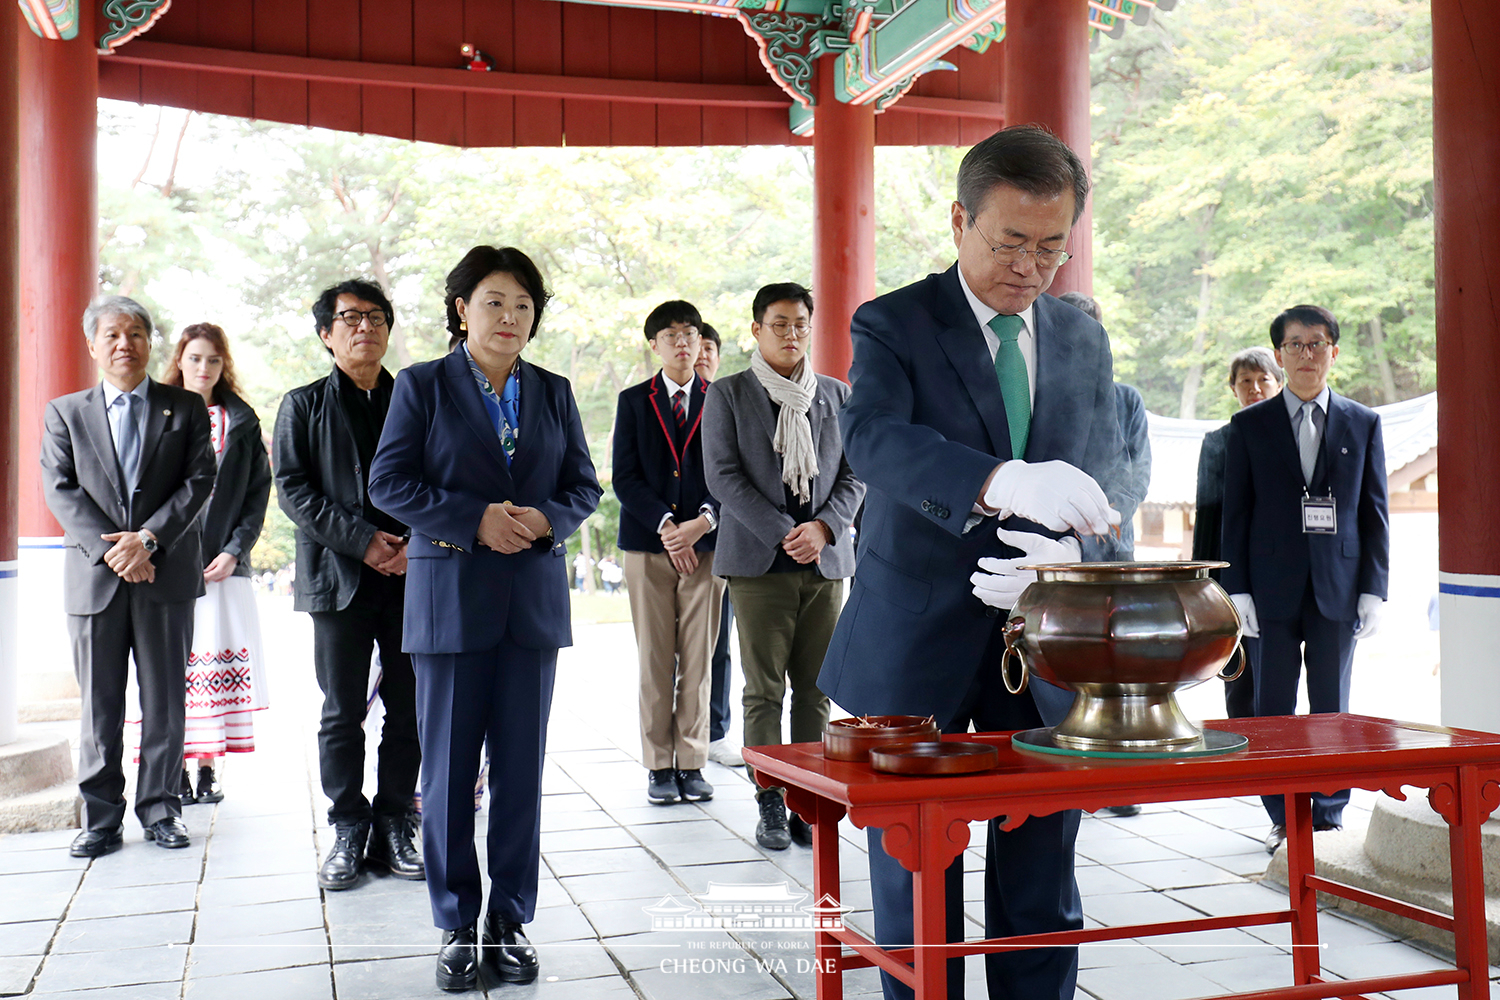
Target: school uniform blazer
(744,473)
(924,426)
(653,475)
(1270,558)
(440,464)
(82,485)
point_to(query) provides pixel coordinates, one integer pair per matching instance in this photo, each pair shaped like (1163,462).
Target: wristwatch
(147,541)
(709,516)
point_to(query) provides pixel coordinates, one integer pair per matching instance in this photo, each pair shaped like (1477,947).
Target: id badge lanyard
(1320,515)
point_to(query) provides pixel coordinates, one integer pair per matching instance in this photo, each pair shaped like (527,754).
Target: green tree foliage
(1249,157)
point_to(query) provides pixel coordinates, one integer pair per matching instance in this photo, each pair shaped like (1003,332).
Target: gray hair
(1259,359)
(1026,157)
(1084,304)
(114,305)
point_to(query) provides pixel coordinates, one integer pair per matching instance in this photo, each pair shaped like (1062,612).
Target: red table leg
(1470,945)
(829,977)
(930,921)
(1304,899)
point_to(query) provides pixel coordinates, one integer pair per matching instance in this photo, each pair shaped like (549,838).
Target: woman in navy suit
(483,455)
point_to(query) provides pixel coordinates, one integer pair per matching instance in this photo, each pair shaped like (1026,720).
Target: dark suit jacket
(924,427)
(1208,510)
(1270,558)
(440,465)
(320,486)
(744,473)
(233,517)
(81,480)
(653,476)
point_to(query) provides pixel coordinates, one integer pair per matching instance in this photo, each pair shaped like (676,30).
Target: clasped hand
(386,554)
(679,539)
(806,541)
(129,558)
(510,529)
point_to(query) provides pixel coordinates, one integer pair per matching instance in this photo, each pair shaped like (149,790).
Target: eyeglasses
(1306,348)
(1006,253)
(353,317)
(678,336)
(790,331)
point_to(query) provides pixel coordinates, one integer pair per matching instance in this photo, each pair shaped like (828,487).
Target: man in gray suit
(126,467)
(774,459)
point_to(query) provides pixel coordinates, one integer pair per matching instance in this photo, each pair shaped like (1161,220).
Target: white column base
(45,654)
(10,664)
(1469,615)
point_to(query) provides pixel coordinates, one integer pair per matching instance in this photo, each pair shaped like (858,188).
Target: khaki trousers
(676,621)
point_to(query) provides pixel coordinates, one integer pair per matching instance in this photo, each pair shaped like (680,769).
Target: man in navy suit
(983,418)
(1306,534)
(667,522)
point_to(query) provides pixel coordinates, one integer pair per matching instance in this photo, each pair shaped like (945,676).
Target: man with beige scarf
(774,460)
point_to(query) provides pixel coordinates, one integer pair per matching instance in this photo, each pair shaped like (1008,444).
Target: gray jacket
(744,475)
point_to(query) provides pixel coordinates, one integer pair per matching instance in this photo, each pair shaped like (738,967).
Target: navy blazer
(924,427)
(1270,558)
(653,477)
(440,464)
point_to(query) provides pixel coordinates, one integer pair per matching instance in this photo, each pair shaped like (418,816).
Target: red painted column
(10,383)
(1466,162)
(59,94)
(1046,82)
(843,275)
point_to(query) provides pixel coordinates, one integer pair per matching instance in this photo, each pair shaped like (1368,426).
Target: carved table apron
(926,823)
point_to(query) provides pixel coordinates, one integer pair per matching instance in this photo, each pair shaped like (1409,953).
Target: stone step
(34,762)
(54,808)
(51,710)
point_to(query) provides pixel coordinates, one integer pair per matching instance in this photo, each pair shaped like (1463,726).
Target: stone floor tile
(565,961)
(697,877)
(16,908)
(259,889)
(1339,932)
(121,902)
(1091,829)
(17,972)
(40,883)
(582,820)
(646,814)
(737,814)
(231,863)
(559,923)
(1251,864)
(607,988)
(1176,873)
(28,938)
(709,976)
(1095,880)
(1109,954)
(556,782)
(28,862)
(687,832)
(597,839)
(625,859)
(365,942)
(646,951)
(1211,843)
(618,917)
(46,840)
(270,951)
(1159,824)
(145,991)
(308,982)
(1387,958)
(134,867)
(389,979)
(567,802)
(712,852)
(363,905)
(94,970)
(549,892)
(1256,972)
(1165,982)
(1121,909)
(621,885)
(1209,946)
(233,923)
(1232,897)
(1124,850)
(601,752)
(116,933)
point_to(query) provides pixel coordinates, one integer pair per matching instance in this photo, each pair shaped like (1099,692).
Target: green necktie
(1015,386)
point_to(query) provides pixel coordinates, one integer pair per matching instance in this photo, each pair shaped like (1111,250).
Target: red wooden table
(926,823)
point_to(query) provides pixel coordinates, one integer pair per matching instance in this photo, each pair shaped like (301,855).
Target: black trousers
(719,669)
(1029,885)
(1239,694)
(342,644)
(1327,648)
(158,636)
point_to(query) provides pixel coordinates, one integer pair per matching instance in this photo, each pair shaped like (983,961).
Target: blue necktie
(129,446)
(1015,385)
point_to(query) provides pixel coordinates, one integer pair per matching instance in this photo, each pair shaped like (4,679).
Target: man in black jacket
(351,565)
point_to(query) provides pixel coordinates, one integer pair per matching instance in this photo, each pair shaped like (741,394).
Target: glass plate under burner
(1213,743)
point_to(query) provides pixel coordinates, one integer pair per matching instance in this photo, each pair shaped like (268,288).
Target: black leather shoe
(458,960)
(209,789)
(771,832)
(95,843)
(341,868)
(1275,838)
(661,787)
(168,832)
(800,831)
(692,786)
(1131,810)
(391,847)
(185,794)
(1325,827)
(507,952)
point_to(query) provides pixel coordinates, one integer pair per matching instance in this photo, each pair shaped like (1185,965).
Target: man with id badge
(1306,534)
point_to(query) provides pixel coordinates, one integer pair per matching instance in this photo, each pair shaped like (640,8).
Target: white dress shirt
(1026,341)
(117,413)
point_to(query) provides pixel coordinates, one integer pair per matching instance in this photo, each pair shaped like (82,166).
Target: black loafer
(95,843)
(168,833)
(507,952)
(801,833)
(693,787)
(1275,838)
(458,960)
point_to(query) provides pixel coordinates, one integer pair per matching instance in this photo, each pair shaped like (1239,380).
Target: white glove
(1249,624)
(999,584)
(1370,608)
(1054,494)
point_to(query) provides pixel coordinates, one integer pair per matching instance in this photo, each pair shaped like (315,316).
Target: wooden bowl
(851,739)
(934,758)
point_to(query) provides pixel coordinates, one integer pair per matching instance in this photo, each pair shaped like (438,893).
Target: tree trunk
(1188,408)
(383,278)
(1377,341)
